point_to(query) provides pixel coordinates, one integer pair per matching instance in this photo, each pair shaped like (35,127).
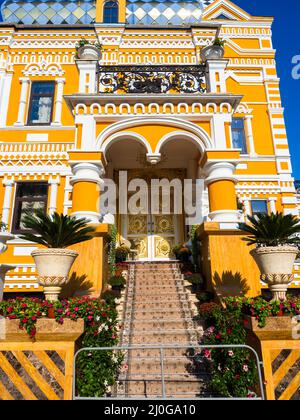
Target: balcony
(152,79)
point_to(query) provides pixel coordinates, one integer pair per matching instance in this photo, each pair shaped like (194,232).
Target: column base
(91,216)
(224,216)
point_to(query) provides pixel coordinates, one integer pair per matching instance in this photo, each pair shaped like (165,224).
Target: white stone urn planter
(212,52)
(4,237)
(53,267)
(89,52)
(276,266)
(4,268)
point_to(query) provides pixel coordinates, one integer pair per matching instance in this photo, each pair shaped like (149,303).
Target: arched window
(111,12)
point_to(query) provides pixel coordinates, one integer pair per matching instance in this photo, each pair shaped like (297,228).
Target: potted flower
(214,51)
(117,283)
(122,253)
(275,237)
(56,233)
(86,50)
(195,280)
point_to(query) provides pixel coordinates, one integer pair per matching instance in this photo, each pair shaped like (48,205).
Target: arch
(128,135)
(111,12)
(114,131)
(180,135)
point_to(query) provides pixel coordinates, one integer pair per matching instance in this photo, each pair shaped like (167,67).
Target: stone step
(162,300)
(144,353)
(156,315)
(160,306)
(159,325)
(158,289)
(151,366)
(161,338)
(158,293)
(176,387)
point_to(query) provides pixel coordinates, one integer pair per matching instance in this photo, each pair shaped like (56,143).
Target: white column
(219,132)
(216,78)
(87,76)
(58,101)
(247,205)
(9,185)
(23,100)
(88,140)
(54,183)
(5,83)
(67,201)
(272,204)
(249,134)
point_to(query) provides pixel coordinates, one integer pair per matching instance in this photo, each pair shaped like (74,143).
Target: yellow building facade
(149,106)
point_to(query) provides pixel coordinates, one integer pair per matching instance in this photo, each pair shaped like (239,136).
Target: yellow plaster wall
(228,266)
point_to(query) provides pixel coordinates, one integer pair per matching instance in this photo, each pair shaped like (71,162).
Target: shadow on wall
(230,284)
(77,286)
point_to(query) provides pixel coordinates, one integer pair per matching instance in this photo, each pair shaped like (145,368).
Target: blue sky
(285,38)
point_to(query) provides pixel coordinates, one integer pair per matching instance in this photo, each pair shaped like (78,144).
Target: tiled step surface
(159,314)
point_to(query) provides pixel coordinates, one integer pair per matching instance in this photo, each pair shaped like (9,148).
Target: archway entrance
(157,228)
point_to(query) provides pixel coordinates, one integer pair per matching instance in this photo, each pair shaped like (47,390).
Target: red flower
(218,336)
(9,310)
(33,318)
(24,321)
(23,306)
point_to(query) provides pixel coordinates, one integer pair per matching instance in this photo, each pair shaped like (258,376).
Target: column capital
(87,172)
(24,79)
(220,165)
(8,182)
(61,80)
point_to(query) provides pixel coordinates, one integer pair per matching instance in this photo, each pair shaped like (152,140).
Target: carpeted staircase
(159,313)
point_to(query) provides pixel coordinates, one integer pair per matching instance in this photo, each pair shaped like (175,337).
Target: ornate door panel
(164,236)
(137,231)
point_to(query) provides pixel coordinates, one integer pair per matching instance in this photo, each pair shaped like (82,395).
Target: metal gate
(165,381)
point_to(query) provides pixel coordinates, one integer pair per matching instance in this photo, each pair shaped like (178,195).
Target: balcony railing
(152,79)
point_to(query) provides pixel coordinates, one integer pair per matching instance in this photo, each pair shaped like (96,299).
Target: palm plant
(272,230)
(55,231)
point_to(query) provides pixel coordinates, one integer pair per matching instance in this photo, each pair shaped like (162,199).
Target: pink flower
(245,368)
(207,354)
(230,353)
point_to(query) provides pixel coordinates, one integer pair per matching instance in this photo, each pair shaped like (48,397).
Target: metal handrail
(162,349)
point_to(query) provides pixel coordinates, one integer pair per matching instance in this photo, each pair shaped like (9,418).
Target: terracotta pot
(53,266)
(276,265)
(212,52)
(89,52)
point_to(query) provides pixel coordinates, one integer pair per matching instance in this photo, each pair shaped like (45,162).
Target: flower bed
(95,373)
(234,372)
(261,310)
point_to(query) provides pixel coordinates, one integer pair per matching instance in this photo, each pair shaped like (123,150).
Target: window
(41,103)
(30,196)
(238,135)
(259,207)
(111,12)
